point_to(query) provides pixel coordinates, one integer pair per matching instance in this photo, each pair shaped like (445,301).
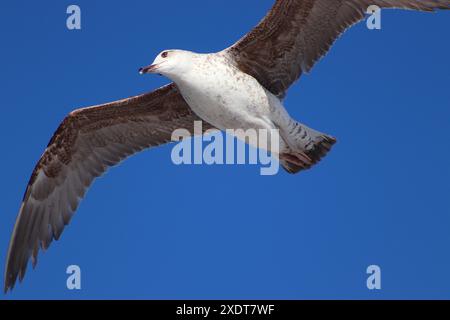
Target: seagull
(241,87)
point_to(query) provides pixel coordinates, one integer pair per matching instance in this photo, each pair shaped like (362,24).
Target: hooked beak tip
(149,69)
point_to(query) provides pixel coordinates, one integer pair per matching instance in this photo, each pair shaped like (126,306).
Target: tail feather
(296,161)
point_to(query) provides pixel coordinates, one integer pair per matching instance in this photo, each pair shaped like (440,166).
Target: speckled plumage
(220,93)
(295,34)
(86,143)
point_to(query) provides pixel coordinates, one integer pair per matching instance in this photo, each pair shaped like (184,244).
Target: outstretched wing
(297,33)
(86,143)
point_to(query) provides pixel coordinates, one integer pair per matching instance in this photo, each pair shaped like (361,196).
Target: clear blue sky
(150,229)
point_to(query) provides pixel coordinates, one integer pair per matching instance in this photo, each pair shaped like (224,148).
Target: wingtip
(9,284)
(6,289)
(7,279)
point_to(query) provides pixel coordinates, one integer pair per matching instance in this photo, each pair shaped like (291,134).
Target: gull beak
(149,69)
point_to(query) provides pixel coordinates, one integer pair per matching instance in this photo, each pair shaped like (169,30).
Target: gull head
(170,63)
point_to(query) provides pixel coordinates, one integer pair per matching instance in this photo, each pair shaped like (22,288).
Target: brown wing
(297,33)
(86,143)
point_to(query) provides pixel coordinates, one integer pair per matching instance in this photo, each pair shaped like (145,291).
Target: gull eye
(164,54)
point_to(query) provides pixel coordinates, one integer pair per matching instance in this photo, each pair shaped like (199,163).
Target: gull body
(228,98)
(224,96)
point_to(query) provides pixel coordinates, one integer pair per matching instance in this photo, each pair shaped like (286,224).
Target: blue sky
(151,230)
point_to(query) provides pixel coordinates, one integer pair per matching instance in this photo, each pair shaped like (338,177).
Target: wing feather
(86,143)
(295,34)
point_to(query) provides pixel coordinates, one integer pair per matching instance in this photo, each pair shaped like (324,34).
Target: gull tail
(306,148)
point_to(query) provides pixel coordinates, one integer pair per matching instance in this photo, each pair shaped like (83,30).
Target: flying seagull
(242,87)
